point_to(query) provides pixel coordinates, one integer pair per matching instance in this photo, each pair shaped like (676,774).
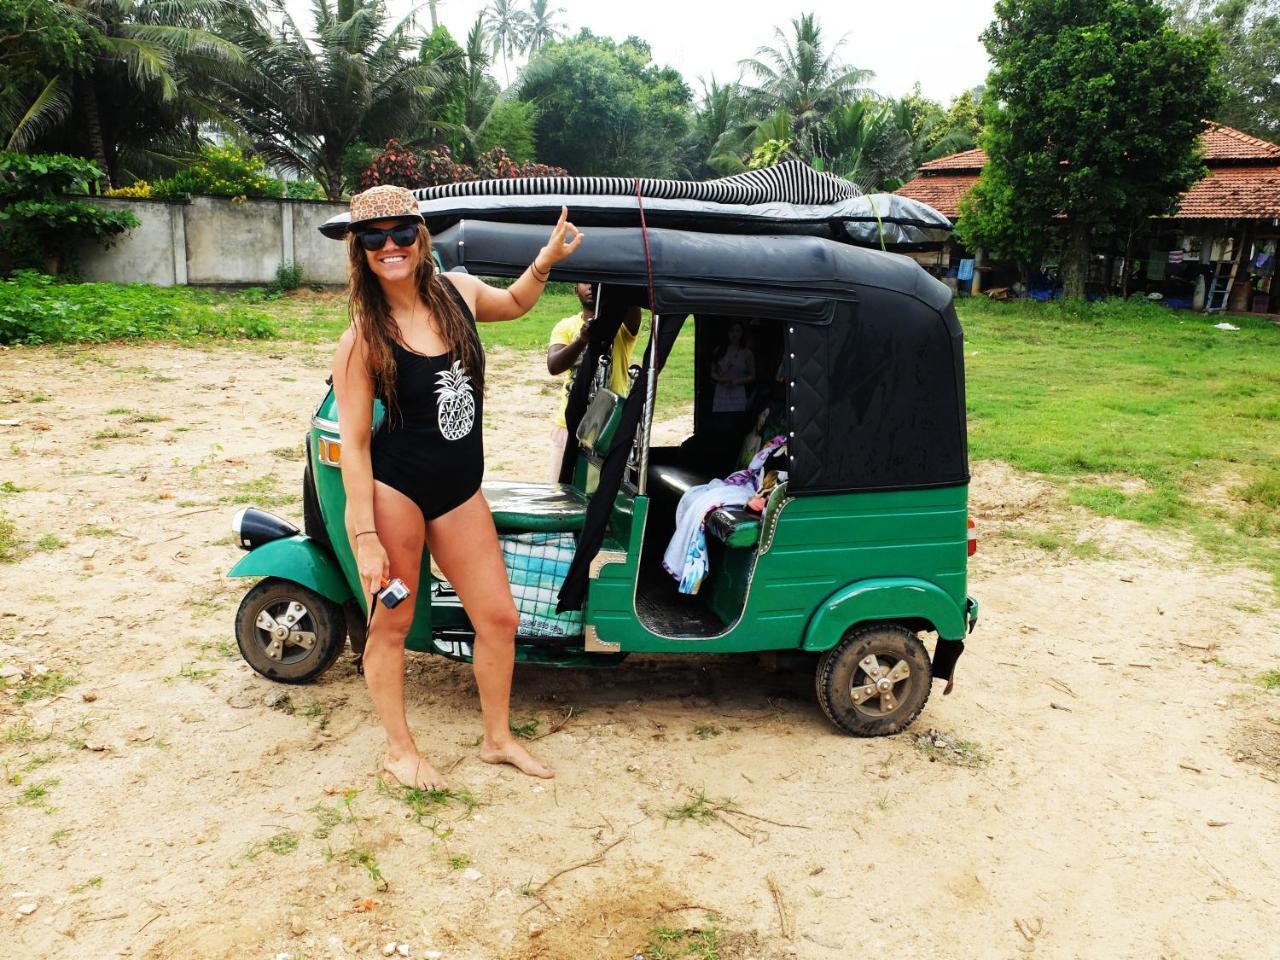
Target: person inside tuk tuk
(413,344)
(567,345)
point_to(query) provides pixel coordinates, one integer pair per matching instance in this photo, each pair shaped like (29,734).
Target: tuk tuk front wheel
(875,681)
(288,633)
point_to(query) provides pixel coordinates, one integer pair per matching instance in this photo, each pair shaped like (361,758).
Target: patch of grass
(1165,398)
(281,844)
(59,837)
(459,861)
(119,412)
(35,309)
(526,729)
(427,805)
(39,761)
(667,943)
(526,889)
(364,858)
(10,542)
(92,530)
(946,748)
(295,452)
(190,671)
(91,882)
(261,491)
(1271,679)
(36,794)
(315,710)
(697,808)
(9,486)
(43,687)
(705,731)
(50,541)
(21,733)
(146,418)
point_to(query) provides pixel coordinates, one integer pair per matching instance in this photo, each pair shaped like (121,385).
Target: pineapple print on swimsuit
(431,449)
(455,402)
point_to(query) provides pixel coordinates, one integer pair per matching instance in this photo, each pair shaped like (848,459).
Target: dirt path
(1104,782)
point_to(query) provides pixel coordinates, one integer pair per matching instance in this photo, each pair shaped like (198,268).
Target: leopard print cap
(383,202)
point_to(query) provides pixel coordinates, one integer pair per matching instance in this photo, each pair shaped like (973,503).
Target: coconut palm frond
(50,107)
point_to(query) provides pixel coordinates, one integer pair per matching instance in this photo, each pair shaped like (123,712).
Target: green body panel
(822,544)
(829,562)
(333,506)
(744,535)
(298,559)
(889,598)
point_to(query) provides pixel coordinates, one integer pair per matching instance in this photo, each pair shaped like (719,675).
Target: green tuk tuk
(857,552)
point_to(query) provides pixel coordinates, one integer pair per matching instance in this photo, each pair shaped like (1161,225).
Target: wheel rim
(879,684)
(286,631)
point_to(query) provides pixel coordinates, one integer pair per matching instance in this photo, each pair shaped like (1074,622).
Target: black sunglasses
(402,235)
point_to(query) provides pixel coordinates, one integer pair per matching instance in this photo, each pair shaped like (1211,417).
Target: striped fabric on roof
(791,182)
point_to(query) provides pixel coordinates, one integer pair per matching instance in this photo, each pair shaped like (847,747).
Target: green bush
(35,309)
(220,172)
(39,225)
(288,277)
(303,190)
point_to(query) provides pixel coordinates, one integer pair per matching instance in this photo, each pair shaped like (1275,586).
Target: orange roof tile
(966,160)
(940,191)
(1250,190)
(1228,143)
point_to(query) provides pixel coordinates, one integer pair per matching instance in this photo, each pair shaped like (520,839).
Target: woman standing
(413,344)
(733,370)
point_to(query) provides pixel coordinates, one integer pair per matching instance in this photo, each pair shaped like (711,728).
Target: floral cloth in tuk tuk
(686,555)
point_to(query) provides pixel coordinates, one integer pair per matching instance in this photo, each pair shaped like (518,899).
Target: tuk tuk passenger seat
(536,507)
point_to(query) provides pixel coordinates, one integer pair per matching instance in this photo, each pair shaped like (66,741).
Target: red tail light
(973,539)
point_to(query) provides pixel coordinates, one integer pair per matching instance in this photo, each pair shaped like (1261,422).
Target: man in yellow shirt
(564,356)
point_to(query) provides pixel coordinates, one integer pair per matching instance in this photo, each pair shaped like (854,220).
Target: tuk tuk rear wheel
(288,633)
(875,681)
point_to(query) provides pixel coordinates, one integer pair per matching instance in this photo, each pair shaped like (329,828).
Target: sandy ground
(1104,782)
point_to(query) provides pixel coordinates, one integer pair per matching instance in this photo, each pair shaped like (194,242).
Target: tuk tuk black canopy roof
(787,277)
(873,352)
(787,198)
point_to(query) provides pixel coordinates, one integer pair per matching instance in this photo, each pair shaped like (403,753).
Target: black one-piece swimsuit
(432,451)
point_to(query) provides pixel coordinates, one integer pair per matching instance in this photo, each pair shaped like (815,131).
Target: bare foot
(513,753)
(412,771)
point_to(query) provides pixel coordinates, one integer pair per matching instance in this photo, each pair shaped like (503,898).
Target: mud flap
(945,656)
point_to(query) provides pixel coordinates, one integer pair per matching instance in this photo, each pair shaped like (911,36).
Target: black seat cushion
(535,507)
(734,526)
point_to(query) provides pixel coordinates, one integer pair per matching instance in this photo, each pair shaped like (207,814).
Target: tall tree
(45,47)
(148,81)
(803,76)
(543,26)
(1093,111)
(312,96)
(1250,66)
(605,108)
(508,26)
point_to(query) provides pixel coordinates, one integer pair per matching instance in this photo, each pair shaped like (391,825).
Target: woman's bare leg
(465,545)
(401,530)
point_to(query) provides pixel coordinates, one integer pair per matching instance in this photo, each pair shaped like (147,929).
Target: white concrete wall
(215,241)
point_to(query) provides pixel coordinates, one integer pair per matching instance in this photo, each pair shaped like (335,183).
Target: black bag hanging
(610,312)
(573,592)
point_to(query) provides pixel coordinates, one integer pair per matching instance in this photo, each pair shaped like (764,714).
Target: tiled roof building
(1243,180)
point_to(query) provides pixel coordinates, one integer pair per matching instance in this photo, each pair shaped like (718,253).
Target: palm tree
(311,97)
(508,25)
(542,27)
(147,81)
(800,75)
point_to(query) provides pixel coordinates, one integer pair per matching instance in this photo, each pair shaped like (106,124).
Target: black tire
(316,635)
(356,628)
(842,668)
(312,518)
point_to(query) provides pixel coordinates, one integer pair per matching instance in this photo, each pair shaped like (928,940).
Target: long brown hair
(371,316)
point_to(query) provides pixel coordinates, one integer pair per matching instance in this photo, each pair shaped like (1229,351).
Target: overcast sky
(934,42)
